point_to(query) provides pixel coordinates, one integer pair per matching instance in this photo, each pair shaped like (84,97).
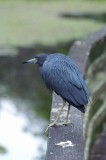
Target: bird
(61,75)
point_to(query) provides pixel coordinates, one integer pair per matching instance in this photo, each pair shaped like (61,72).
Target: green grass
(34,22)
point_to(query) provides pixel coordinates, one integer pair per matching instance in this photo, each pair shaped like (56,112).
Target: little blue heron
(61,75)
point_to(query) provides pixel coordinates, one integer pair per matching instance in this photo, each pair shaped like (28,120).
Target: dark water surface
(24,110)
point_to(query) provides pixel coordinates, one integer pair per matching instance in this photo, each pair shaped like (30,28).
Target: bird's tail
(81,108)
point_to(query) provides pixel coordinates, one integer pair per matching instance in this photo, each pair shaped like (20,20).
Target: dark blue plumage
(61,75)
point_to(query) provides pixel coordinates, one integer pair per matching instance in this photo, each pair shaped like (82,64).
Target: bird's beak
(34,60)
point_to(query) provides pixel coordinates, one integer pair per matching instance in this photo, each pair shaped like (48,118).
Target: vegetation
(2,150)
(40,22)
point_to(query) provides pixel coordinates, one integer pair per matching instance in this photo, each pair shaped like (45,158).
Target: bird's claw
(50,125)
(66,123)
(58,124)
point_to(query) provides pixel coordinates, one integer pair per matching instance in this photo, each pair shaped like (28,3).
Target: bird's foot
(53,125)
(66,123)
(50,125)
(57,124)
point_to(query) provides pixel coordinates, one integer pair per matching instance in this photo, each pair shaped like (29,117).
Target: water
(19,143)
(24,110)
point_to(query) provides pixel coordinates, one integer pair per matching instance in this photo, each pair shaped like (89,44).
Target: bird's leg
(66,122)
(59,113)
(57,117)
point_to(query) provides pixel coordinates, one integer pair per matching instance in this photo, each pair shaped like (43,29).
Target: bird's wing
(66,81)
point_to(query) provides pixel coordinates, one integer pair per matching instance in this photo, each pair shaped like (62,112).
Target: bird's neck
(42,60)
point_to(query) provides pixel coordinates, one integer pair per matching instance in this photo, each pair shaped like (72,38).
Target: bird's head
(38,59)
